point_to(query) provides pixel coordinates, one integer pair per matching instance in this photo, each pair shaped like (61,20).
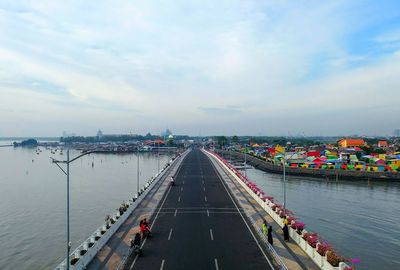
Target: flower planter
(302,243)
(318,259)
(328,266)
(310,251)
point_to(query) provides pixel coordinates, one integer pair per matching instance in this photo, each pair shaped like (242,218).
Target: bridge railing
(85,252)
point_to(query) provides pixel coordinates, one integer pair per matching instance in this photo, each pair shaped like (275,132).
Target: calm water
(33,201)
(359,220)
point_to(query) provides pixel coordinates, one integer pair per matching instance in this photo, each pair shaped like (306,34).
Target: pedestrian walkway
(291,254)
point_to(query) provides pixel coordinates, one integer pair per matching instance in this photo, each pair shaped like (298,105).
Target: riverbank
(331,175)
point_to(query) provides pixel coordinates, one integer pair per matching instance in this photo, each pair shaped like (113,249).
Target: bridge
(206,221)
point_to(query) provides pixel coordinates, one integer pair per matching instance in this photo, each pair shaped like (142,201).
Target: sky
(199,67)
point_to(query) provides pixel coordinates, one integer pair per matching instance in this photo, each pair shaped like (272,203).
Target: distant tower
(99,134)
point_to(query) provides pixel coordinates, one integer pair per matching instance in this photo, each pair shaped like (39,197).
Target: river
(358,219)
(33,200)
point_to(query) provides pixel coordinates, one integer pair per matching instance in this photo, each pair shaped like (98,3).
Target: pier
(208,220)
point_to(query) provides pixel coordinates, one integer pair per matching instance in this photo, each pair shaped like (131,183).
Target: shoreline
(329,175)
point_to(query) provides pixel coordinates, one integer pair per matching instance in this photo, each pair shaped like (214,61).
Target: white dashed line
(211,234)
(208,213)
(176,211)
(181,188)
(205,198)
(179,199)
(169,236)
(162,265)
(216,264)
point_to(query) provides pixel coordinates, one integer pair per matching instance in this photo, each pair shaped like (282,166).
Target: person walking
(264,227)
(269,235)
(286,232)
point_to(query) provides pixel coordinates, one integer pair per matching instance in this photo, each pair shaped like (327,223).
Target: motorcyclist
(136,241)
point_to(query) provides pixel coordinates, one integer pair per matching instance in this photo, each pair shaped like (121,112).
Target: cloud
(142,65)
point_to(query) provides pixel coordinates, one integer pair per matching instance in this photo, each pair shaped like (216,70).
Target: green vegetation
(27,143)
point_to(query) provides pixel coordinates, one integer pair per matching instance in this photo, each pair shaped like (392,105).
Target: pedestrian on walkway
(269,236)
(286,232)
(264,227)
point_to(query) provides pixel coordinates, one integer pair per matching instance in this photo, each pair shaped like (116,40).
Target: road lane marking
(158,212)
(211,234)
(176,211)
(244,220)
(208,213)
(169,236)
(162,265)
(216,264)
(181,188)
(204,189)
(179,199)
(205,198)
(183,182)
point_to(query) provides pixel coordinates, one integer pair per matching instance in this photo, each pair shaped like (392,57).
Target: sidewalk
(291,254)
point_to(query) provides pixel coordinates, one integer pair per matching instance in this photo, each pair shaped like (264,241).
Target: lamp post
(284,178)
(66,172)
(158,157)
(137,172)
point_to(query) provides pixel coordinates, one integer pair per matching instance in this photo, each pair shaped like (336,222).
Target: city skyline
(232,67)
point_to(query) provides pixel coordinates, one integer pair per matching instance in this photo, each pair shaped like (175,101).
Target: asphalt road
(198,225)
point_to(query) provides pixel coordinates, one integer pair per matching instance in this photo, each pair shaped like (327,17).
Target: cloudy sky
(199,67)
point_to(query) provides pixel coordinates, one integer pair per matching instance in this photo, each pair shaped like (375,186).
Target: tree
(235,139)
(222,140)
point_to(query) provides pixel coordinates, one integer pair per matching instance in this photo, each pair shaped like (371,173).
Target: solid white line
(208,213)
(169,236)
(211,234)
(216,264)
(176,211)
(244,220)
(162,265)
(205,198)
(179,199)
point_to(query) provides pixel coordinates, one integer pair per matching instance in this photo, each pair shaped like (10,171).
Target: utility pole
(66,172)
(137,176)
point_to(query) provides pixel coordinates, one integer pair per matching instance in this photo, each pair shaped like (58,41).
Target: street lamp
(68,161)
(284,178)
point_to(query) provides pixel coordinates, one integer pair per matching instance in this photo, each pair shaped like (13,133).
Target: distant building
(99,134)
(382,144)
(396,133)
(346,143)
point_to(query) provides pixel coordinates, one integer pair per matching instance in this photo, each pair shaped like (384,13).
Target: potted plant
(74,260)
(298,226)
(333,258)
